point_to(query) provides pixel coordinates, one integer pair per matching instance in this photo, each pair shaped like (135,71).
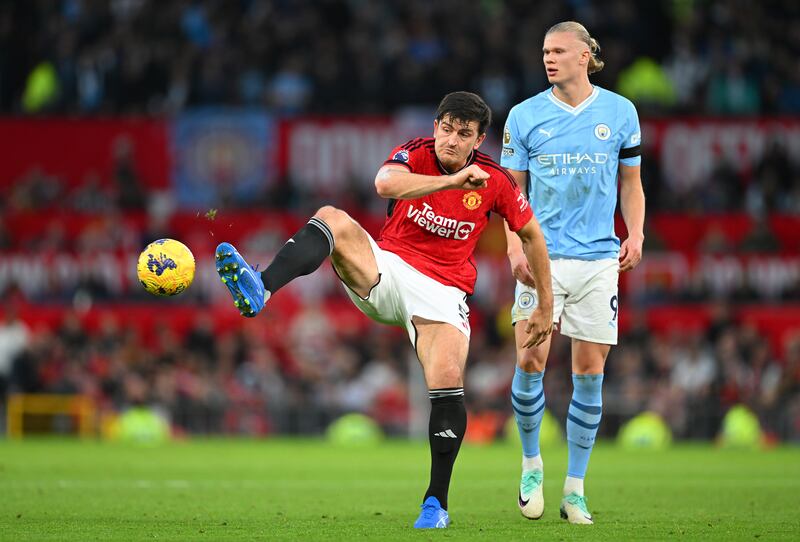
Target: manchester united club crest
(472,200)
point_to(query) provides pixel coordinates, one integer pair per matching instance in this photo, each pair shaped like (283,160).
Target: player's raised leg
(583,419)
(330,232)
(528,401)
(442,351)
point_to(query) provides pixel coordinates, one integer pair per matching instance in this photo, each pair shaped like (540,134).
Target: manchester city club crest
(526,300)
(602,131)
(472,200)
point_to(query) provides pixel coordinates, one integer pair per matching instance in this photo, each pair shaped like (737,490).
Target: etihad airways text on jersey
(572,163)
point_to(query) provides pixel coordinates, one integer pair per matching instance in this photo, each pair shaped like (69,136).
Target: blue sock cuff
(528,377)
(588,389)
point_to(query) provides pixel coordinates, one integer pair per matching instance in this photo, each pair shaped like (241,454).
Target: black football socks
(446,428)
(301,255)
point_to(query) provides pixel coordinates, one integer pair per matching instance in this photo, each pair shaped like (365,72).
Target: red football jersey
(437,233)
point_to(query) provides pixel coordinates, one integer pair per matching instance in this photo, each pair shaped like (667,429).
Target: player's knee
(336,219)
(531,366)
(448,375)
(329,214)
(587,367)
(529,361)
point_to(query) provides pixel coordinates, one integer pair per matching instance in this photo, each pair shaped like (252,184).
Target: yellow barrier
(20,404)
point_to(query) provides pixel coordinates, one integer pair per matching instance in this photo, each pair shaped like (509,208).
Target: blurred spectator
(687,70)
(693,372)
(646,84)
(5,238)
(715,241)
(34,191)
(91,196)
(130,194)
(291,89)
(41,88)
(14,338)
(732,92)
(760,239)
(772,181)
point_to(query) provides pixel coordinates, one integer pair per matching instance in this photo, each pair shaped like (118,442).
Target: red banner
(330,153)
(72,148)
(670,276)
(327,153)
(689,149)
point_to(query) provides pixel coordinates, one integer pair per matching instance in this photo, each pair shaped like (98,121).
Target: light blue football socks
(527,400)
(583,419)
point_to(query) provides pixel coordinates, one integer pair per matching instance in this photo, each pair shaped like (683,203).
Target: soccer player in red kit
(418,274)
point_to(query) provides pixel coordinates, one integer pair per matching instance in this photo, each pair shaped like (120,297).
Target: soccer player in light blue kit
(568,147)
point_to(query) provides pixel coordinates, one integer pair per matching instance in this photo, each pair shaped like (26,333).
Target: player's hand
(630,253)
(471,178)
(520,269)
(538,326)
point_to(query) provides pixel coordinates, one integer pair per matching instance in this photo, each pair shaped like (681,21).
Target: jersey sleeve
(407,154)
(515,153)
(630,152)
(511,203)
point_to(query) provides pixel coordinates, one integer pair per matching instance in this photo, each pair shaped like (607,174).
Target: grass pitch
(311,490)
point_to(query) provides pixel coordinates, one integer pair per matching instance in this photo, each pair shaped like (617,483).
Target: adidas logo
(446,434)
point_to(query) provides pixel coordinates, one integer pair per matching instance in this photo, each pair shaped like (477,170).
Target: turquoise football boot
(575,510)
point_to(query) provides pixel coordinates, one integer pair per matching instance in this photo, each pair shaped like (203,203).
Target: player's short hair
(595,64)
(466,107)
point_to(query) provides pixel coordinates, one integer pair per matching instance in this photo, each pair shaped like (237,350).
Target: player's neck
(573,93)
(456,168)
(453,168)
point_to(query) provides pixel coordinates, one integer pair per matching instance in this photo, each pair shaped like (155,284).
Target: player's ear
(585,56)
(480,140)
(435,127)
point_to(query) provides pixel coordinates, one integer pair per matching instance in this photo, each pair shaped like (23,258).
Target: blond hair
(595,64)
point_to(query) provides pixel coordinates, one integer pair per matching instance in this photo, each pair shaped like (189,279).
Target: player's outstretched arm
(397,182)
(631,202)
(540,324)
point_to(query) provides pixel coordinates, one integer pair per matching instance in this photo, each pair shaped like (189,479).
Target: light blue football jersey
(572,155)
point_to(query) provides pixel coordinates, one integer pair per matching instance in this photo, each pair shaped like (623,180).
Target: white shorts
(585,300)
(402,292)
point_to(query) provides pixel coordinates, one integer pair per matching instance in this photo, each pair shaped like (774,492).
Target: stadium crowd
(339,56)
(145,56)
(247,380)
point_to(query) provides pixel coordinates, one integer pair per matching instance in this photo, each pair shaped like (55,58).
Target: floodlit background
(127,121)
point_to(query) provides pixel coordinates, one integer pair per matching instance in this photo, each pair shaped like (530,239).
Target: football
(166,267)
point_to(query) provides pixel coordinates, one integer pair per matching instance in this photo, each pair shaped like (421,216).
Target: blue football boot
(243,282)
(433,516)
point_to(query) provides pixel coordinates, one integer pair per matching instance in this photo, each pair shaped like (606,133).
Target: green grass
(309,490)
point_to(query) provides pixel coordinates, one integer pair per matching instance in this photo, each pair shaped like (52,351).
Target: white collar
(578,108)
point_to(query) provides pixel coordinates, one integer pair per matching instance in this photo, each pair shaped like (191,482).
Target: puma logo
(548,133)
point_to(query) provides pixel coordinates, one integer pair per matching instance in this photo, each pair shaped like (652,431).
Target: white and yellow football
(166,267)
